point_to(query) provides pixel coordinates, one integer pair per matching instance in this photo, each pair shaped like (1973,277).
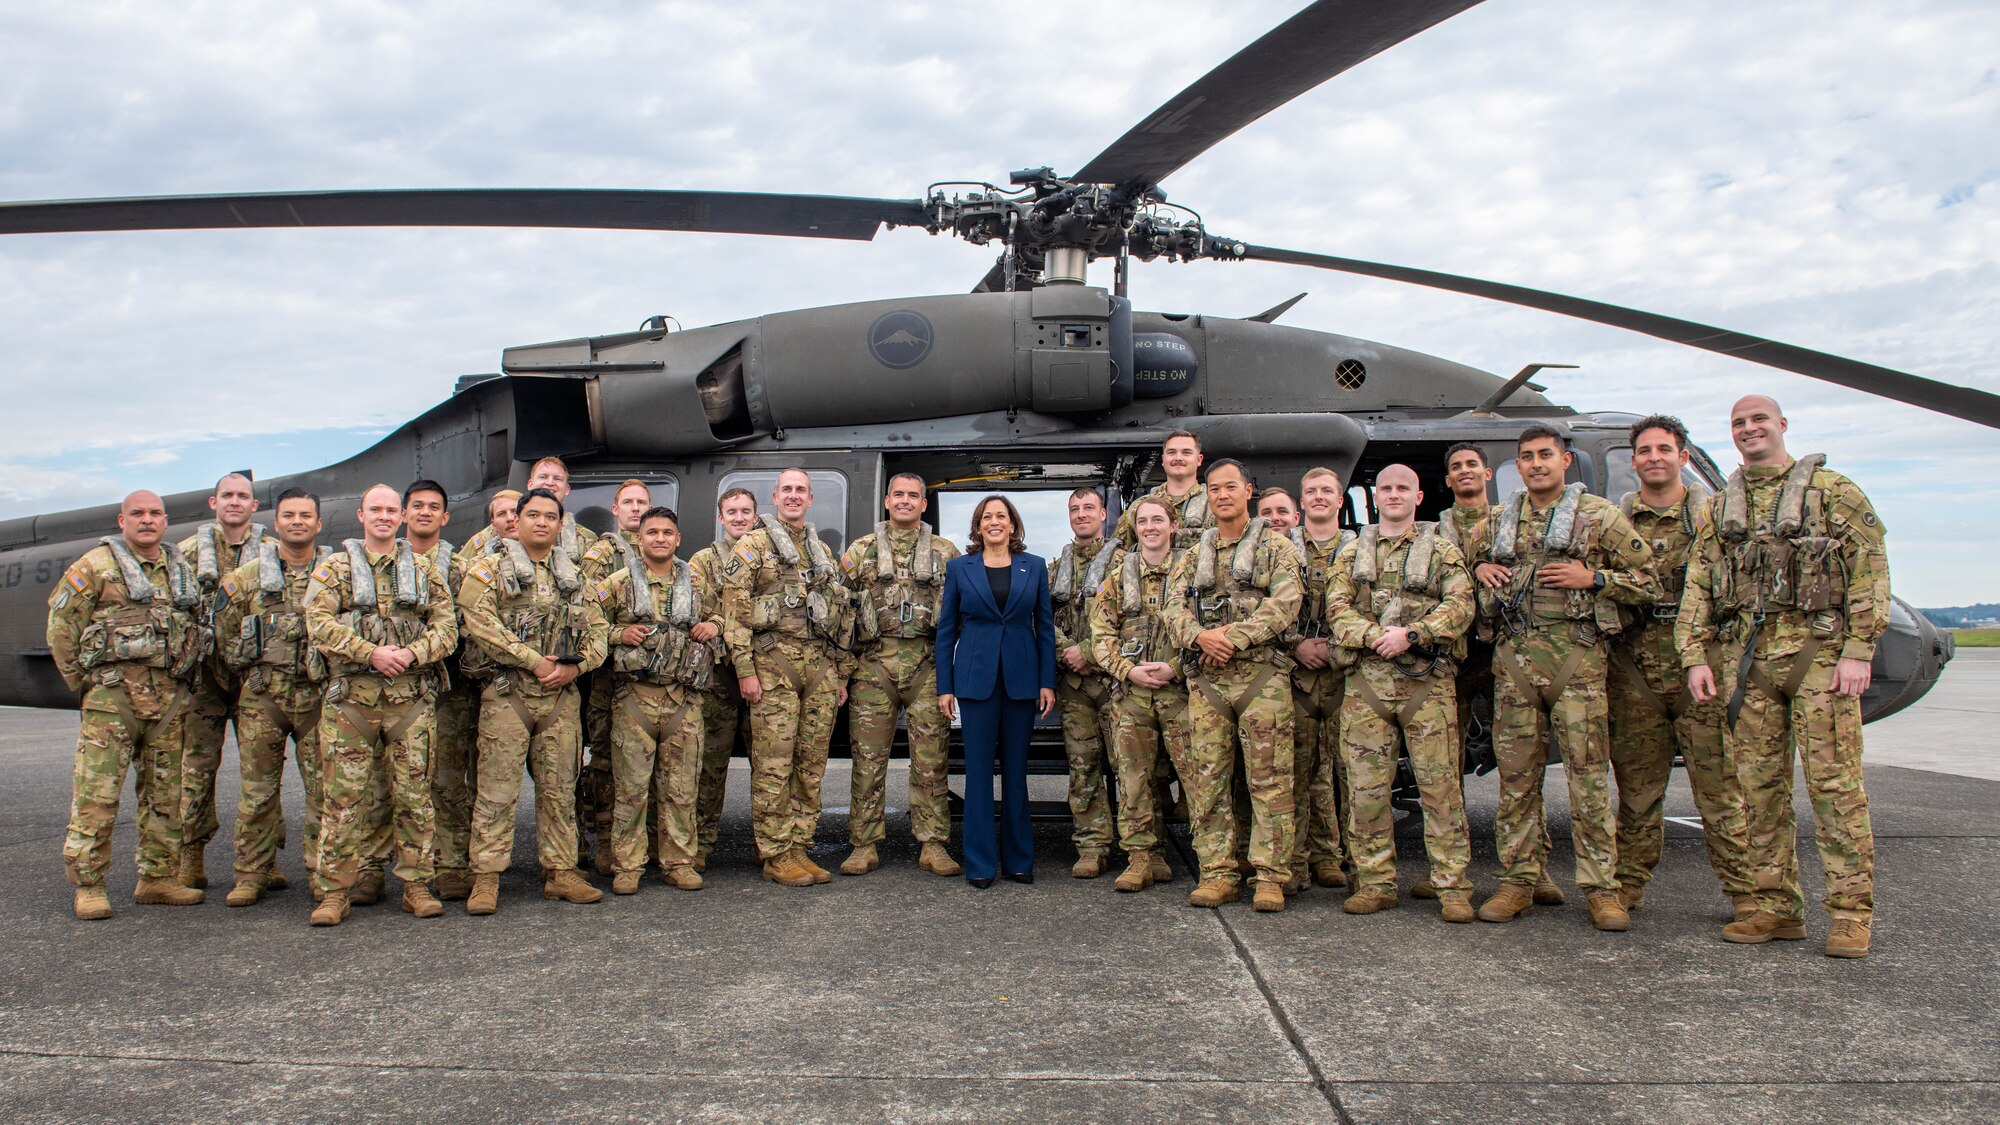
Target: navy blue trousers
(997,725)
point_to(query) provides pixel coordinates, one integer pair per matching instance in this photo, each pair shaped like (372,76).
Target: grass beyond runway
(1977,638)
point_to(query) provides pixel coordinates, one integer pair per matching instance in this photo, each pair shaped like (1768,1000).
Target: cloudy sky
(1821,174)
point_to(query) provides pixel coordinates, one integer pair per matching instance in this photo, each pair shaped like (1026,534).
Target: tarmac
(901,996)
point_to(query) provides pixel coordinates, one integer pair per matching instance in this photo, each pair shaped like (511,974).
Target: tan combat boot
(1298,882)
(1424,889)
(936,860)
(682,877)
(153,891)
(1138,873)
(485,896)
(193,871)
(246,892)
(1455,906)
(1269,897)
(1162,872)
(1632,896)
(861,860)
(1546,891)
(1849,938)
(1327,873)
(819,874)
(1607,913)
(569,886)
(453,884)
(786,871)
(1213,893)
(92,904)
(331,911)
(274,879)
(368,889)
(418,900)
(1741,907)
(1088,865)
(700,863)
(1511,901)
(1368,900)
(1762,926)
(625,883)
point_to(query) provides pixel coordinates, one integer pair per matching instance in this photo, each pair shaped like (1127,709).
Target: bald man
(1790,575)
(126,629)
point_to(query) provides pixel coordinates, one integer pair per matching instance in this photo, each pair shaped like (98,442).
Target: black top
(1001,580)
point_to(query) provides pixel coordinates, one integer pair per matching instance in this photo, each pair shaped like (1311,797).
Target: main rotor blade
(729,212)
(1945,398)
(1297,55)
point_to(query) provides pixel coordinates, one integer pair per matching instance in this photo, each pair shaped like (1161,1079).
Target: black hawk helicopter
(1034,379)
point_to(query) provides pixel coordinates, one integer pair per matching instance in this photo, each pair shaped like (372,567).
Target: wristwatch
(1597,580)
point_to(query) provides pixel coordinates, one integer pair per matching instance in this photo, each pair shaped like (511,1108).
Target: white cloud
(1821,176)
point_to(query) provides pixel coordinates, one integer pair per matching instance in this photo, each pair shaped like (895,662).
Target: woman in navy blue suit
(996,666)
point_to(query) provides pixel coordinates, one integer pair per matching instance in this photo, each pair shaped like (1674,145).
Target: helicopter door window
(828,513)
(1506,480)
(1358,506)
(590,500)
(1622,478)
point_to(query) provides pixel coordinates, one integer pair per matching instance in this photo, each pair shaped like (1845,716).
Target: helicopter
(1036,379)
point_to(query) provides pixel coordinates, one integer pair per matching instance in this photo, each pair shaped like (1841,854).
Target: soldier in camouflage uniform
(1791,577)
(260,635)
(502,514)
(897,575)
(1652,715)
(609,554)
(454,753)
(215,549)
(127,629)
(1180,459)
(666,629)
(722,703)
(383,619)
(533,630)
(1398,604)
(787,621)
(1231,599)
(1558,565)
(1083,692)
(1318,777)
(1149,701)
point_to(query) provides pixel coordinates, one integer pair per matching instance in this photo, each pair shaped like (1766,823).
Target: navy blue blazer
(982,646)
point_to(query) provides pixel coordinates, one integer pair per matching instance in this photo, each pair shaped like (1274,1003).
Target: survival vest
(1526,605)
(136,622)
(811,602)
(398,623)
(1404,590)
(209,547)
(549,623)
(1222,595)
(274,634)
(667,655)
(1071,599)
(898,600)
(1142,592)
(1318,569)
(1784,557)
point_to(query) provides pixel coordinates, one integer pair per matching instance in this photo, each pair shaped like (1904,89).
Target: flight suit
(1549,670)
(1416,580)
(519,610)
(786,621)
(1083,698)
(1790,576)
(128,633)
(212,556)
(608,554)
(721,717)
(1251,588)
(656,727)
(1126,631)
(260,632)
(373,726)
(1319,778)
(454,750)
(897,592)
(1653,718)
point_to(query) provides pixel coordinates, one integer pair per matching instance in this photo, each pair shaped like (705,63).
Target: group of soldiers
(1248,648)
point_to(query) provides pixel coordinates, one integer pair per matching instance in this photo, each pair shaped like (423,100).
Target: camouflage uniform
(1319,777)
(1790,576)
(1653,717)
(518,610)
(1125,631)
(656,727)
(1417,581)
(133,659)
(454,754)
(786,621)
(1084,699)
(721,716)
(1251,587)
(260,632)
(212,557)
(374,727)
(1549,674)
(1195,517)
(608,554)
(895,619)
